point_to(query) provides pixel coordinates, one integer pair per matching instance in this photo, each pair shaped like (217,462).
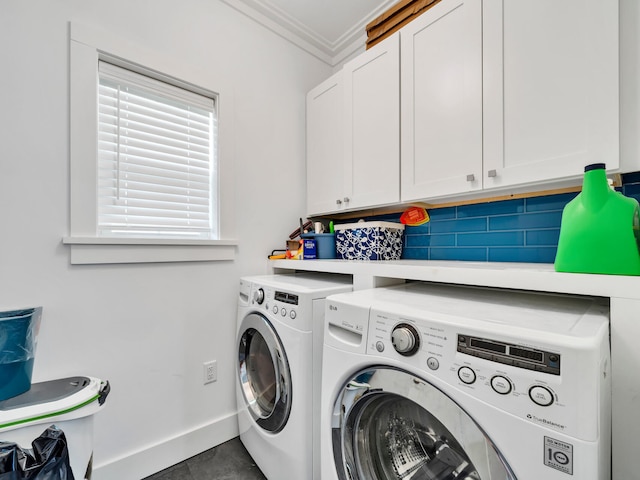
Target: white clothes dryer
(279,345)
(426,381)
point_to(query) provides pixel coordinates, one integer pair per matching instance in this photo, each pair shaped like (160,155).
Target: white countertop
(521,276)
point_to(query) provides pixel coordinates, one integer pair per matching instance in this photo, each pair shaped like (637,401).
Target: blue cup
(325,244)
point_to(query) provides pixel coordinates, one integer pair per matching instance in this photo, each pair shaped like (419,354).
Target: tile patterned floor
(228,461)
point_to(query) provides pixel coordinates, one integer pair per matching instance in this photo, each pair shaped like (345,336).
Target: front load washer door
(391,425)
(263,373)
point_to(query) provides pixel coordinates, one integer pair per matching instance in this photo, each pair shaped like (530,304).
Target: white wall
(145,328)
(630,81)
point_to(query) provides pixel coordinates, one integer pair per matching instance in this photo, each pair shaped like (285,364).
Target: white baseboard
(168,452)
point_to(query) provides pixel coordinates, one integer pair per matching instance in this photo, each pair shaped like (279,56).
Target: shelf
(520,276)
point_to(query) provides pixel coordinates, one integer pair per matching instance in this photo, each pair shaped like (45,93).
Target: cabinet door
(372,126)
(441,75)
(550,89)
(325,146)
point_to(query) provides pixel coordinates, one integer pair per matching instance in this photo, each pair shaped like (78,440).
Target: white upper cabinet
(372,126)
(325,146)
(499,94)
(550,89)
(353,134)
(472,97)
(441,75)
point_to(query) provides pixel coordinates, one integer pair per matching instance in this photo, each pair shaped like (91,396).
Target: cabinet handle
(471,177)
(338,202)
(346,199)
(492,173)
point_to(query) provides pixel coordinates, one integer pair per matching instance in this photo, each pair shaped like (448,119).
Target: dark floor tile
(177,472)
(228,461)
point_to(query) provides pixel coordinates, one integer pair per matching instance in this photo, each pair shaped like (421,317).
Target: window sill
(100,250)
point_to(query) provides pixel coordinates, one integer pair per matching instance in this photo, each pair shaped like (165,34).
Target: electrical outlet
(210,371)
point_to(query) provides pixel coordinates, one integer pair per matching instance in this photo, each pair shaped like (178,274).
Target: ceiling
(329,29)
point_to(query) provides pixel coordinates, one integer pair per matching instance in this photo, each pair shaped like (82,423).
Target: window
(156,158)
(151,158)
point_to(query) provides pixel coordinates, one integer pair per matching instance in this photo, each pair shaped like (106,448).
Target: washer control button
(283,312)
(275,309)
(433,363)
(541,395)
(467,375)
(501,385)
(292,314)
(380,346)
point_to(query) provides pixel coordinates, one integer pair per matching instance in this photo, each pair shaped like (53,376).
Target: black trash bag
(47,460)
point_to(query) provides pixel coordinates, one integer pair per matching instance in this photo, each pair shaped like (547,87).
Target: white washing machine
(426,381)
(279,340)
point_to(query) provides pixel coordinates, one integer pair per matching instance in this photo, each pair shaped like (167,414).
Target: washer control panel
(518,376)
(510,354)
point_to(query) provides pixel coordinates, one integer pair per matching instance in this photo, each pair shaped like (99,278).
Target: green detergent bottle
(599,232)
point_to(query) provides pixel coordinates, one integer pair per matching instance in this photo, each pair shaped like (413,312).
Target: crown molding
(280,22)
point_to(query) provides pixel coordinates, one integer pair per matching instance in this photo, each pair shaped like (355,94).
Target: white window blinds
(157,166)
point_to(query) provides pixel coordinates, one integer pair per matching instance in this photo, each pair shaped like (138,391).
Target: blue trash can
(18,338)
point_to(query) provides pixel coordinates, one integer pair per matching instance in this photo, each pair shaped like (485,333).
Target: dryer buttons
(293,314)
(467,375)
(275,309)
(501,385)
(541,395)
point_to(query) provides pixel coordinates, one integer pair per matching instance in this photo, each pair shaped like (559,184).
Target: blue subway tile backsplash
(549,203)
(548,238)
(491,208)
(459,253)
(448,240)
(493,238)
(526,255)
(520,230)
(455,226)
(526,221)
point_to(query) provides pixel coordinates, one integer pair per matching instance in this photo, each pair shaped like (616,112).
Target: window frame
(86,47)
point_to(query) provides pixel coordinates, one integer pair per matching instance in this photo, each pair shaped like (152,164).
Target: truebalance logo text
(544,421)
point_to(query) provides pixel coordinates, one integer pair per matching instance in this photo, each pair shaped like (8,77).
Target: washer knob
(405,339)
(258,296)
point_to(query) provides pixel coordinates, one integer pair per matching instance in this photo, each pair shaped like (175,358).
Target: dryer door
(263,373)
(390,424)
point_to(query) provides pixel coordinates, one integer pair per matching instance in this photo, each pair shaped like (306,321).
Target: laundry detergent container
(18,338)
(48,431)
(600,229)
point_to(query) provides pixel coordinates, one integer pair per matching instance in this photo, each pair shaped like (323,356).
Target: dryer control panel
(281,305)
